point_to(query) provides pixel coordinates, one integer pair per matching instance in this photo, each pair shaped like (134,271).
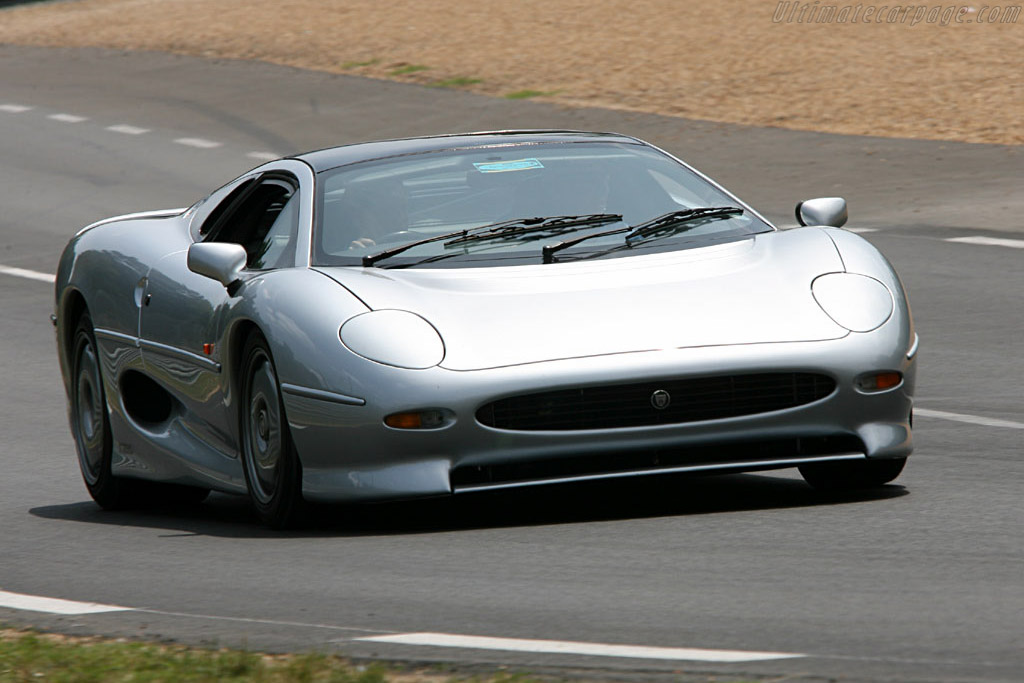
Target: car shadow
(642,497)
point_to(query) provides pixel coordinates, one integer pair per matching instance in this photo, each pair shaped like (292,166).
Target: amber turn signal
(404,421)
(888,380)
(431,418)
(879,381)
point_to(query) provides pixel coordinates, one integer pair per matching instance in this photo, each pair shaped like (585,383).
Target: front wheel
(273,473)
(851,475)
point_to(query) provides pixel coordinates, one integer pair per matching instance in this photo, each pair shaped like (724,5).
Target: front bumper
(348,454)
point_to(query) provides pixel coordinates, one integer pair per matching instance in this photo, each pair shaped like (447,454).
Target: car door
(184,314)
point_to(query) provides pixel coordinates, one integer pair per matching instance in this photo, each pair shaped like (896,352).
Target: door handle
(140,290)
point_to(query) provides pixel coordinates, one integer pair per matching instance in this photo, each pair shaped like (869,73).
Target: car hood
(756,290)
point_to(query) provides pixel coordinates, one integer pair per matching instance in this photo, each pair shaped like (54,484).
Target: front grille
(633,405)
(744,456)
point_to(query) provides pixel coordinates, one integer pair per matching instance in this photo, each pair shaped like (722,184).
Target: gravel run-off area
(948,72)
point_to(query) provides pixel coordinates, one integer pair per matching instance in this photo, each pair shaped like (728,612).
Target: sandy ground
(720,60)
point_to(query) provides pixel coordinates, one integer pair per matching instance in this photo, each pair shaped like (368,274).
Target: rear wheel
(273,473)
(90,422)
(850,475)
(90,426)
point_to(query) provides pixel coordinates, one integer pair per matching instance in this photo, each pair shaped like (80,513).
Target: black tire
(273,473)
(852,475)
(90,421)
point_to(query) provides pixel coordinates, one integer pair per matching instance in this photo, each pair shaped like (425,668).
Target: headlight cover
(857,302)
(397,338)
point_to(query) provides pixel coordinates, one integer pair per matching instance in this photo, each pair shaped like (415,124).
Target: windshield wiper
(522,226)
(503,230)
(674,220)
(549,249)
(371,259)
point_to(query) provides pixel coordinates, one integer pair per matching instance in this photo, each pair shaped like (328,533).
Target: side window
(277,248)
(213,208)
(264,221)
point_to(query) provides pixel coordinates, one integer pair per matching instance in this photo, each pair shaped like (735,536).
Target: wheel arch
(72,308)
(281,505)
(237,335)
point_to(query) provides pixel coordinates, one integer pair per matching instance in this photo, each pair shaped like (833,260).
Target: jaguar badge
(660,399)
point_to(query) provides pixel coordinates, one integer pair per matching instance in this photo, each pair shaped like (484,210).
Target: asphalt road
(919,581)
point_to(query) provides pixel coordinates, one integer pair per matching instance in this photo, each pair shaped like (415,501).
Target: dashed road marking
(35,603)
(969,419)
(576,648)
(861,231)
(989,241)
(67,118)
(27,274)
(263,156)
(127,130)
(199,143)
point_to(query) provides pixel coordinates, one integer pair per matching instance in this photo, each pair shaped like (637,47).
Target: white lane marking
(198,142)
(861,231)
(574,648)
(35,603)
(27,274)
(272,622)
(127,130)
(67,118)
(970,419)
(989,241)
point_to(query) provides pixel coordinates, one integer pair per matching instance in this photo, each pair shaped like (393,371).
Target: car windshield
(372,208)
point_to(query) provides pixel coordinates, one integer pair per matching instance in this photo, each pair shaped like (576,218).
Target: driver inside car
(374,210)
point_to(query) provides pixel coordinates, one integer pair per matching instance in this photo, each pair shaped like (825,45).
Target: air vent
(741,455)
(144,400)
(671,401)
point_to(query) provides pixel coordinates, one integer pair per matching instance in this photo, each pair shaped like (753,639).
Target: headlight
(857,302)
(397,338)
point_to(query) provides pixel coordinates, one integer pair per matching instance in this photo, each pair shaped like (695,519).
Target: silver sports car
(436,315)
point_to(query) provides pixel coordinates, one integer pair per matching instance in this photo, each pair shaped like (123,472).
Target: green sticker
(503,166)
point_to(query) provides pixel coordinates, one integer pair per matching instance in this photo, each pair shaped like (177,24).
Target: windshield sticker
(503,166)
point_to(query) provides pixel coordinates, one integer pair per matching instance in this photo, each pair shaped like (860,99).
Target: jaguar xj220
(429,316)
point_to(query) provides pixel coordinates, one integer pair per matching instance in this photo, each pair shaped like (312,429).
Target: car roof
(327,159)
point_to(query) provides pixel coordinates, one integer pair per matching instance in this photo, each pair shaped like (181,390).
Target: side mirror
(220,261)
(822,211)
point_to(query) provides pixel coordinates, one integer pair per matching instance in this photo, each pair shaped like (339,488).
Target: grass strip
(408,69)
(29,656)
(457,82)
(527,94)
(357,64)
